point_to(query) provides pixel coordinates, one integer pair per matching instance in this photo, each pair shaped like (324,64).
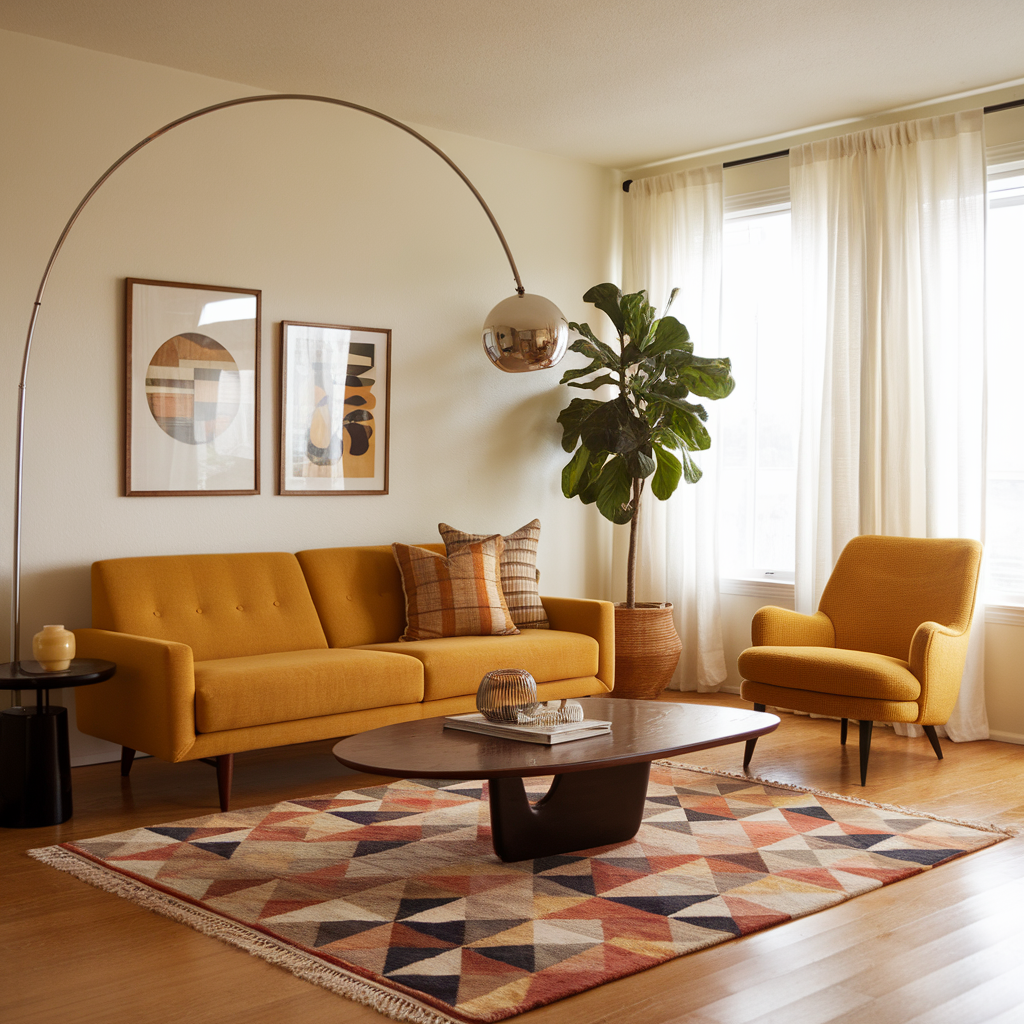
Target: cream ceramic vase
(54,647)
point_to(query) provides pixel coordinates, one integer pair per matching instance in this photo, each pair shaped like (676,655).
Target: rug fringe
(1009,831)
(335,979)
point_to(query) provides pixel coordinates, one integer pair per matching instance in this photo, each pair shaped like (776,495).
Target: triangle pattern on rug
(399,886)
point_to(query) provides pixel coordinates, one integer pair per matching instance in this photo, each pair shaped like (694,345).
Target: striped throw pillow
(519,575)
(455,596)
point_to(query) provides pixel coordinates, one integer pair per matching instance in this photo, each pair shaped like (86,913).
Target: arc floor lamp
(523,332)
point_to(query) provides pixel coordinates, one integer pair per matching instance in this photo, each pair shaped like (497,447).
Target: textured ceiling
(608,81)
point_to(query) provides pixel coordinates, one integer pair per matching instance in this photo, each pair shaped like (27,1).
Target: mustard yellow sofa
(218,654)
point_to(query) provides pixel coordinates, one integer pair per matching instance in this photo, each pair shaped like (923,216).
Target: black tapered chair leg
(933,738)
(127,760)
(865,750)
(844,725)
(748,749)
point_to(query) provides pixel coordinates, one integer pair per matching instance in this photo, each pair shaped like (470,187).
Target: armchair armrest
(780,627)
(937,658)
(591,618)
(149,703)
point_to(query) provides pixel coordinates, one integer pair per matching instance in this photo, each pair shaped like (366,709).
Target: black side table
(35,760)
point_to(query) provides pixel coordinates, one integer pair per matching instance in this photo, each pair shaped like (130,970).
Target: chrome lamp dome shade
(525,332)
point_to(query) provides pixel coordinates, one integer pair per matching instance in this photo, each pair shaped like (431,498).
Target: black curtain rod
(995,108)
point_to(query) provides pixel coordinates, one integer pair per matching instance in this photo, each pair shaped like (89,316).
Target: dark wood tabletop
(642,730)
(30,675)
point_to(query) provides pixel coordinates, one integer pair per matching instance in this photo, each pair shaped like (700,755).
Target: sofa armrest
(937,658)
(781,627)
(149,703)
(591,618)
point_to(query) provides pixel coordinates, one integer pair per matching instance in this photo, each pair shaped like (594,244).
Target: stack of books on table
(546,734)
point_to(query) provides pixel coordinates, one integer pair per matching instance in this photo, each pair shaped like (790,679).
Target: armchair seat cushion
(237,693)
(454,666)
(831,670)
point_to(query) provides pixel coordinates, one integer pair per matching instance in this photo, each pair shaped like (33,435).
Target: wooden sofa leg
(748,749)
(844,725)
(933,738)
(127,760)
(865,749)
(225,770)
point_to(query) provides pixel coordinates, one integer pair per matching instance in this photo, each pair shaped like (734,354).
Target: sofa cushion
(456,596)
(235,693)
(519,574)
(454,666)
(222,606)
(831,670)
(358,593)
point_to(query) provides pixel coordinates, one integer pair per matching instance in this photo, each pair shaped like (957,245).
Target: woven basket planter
(647,650)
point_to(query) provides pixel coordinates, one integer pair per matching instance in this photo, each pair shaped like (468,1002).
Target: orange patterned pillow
(455,596)
(519,575)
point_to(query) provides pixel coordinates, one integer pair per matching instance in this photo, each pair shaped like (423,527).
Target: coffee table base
(583,809)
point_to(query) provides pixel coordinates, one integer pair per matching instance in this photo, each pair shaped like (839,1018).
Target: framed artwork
(335,409)
(193,389)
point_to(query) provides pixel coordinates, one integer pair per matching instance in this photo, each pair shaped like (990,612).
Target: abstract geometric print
(193,388)
(395,890)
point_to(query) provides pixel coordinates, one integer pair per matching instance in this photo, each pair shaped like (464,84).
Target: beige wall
(338,218)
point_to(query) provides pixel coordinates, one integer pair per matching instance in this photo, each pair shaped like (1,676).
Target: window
(1004,535)
(759,423)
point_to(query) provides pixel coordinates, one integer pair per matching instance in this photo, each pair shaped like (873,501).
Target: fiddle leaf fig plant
(647,430)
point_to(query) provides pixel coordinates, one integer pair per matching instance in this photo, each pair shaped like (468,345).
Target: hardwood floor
(946,946)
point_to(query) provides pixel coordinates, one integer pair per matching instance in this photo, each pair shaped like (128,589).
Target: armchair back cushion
(222,606)
(358,592)
(883,588)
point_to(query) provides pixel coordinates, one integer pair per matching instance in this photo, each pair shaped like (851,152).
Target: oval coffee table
(597,796)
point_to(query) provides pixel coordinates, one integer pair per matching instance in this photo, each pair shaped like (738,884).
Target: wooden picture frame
(335,409)
(192,383)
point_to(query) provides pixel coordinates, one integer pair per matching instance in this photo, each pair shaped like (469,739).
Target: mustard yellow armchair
(887,644)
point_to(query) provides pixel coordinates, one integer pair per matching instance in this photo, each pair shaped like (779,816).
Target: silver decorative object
(508,695)
(568,712)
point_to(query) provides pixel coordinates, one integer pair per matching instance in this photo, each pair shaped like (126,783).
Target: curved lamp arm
(520,290)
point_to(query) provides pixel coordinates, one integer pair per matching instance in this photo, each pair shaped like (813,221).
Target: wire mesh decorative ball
(508,695)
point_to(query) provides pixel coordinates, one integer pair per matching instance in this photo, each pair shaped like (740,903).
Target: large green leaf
(607,298)
(575,472)
(640,463)
(667,476)
(669,334)
(690,428)
(572,418)
(614,491)
(691,471)
(709,378)
(593,348)
(597,382)
(637,316)
(580,371)
(613,428)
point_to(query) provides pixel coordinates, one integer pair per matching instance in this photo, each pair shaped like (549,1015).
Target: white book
(546,734)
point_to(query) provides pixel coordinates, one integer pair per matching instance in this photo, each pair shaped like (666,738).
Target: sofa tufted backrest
(358,593)
(222,606)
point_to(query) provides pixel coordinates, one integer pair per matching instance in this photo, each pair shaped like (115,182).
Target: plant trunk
(631,560)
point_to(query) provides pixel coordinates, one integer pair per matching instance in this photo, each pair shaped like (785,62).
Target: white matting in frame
(192,405)
(335,409)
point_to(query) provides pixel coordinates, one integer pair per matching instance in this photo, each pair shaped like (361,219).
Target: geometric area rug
(393,896)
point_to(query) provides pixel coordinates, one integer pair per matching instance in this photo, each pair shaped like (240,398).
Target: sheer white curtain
(889,251)
(673,239)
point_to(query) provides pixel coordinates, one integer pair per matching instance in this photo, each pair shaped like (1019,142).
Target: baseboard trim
(1007,737)
(102,758)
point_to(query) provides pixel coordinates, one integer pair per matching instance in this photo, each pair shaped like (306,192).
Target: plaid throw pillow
(455,596)
(519,573)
